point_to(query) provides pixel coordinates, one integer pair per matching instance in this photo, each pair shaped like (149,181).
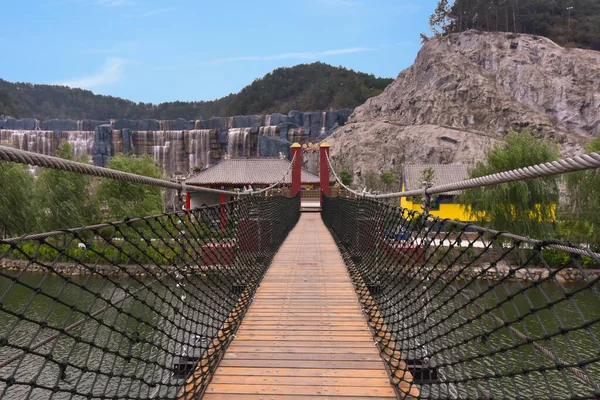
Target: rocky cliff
(177,146)
(464,92)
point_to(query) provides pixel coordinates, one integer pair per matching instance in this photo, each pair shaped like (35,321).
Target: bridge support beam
(296,168)
(324,170)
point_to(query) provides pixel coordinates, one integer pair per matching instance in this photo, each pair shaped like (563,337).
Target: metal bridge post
(324,171)
(296,169)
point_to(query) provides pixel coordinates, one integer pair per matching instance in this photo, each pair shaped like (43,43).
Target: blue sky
(166,50)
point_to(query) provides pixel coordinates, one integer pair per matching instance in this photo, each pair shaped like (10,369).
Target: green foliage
(65,198)
(7,106)
(525,207)
(439,20)
(556,258)
(427,175)
(98,253)
(305,87)
(346,177)
(125,199)
(583,209)
(387,178)
(19,212)
(579,27)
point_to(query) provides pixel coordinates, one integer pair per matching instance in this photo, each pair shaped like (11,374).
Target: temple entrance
(312,199)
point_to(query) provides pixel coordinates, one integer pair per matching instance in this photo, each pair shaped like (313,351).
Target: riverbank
(484,272)
(502,270)
(73,269)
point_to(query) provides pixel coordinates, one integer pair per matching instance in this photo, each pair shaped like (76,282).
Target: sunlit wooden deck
(304,336)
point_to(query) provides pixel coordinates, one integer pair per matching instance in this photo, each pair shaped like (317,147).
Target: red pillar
(324,170)
(188,201)
(223,217)
(296,169)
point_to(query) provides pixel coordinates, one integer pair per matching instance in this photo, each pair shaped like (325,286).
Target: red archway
(297,151)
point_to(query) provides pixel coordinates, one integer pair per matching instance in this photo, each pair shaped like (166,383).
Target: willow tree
(18,206)
(583,225)
(66,198)
(124,199)
(525,207)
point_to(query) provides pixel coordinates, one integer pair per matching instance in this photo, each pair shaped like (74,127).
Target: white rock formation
(464,92)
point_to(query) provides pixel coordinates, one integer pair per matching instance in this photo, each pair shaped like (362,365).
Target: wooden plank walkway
(304,336)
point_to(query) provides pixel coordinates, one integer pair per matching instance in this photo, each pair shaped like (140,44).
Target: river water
(125,352)
(473,348)
(103,360)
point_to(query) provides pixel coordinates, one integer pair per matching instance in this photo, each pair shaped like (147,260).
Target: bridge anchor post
(324,170)
(296,169)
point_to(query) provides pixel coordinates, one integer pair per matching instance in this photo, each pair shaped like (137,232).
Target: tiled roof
(249,171)
(412,175)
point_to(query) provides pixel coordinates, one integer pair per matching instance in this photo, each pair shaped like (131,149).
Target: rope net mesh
(142,308)
(463,312)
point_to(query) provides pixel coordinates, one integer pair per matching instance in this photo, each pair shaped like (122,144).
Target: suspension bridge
(254,299)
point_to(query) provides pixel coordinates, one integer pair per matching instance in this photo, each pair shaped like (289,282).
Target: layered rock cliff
(464,92)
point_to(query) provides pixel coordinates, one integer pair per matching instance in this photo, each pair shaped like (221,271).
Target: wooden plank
(301,381)
(319,390)
(279,343)
(237,396)
(309,356)
(304,336)
(236,348)
(300,372)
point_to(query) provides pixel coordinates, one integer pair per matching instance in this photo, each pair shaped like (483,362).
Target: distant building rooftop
(249,171)
(412,175)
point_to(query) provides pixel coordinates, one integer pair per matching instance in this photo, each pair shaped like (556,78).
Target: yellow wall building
(444,206)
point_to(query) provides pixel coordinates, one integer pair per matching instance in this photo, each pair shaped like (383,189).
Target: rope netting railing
(463,312)
(137,309)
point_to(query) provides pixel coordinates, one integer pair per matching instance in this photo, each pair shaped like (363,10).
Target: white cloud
(150,13)
(338,3)
(124,47)
(112,72)
(114,3)
(285,56)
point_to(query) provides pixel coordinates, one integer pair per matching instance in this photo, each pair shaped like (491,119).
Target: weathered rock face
(177,146)
(467,90)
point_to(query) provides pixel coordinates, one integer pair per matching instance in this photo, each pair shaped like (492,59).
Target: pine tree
(439,20)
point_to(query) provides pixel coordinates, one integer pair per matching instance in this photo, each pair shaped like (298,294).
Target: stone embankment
(73,269)
(529,274)
(501,271)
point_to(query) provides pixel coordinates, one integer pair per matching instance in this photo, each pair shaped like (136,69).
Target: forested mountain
(571,23)
(304,87)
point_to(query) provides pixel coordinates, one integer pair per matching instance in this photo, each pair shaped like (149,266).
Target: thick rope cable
(337,178)
(279,182)
(41,160)
(573,164)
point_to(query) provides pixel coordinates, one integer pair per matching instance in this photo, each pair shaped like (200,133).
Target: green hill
(305,87)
